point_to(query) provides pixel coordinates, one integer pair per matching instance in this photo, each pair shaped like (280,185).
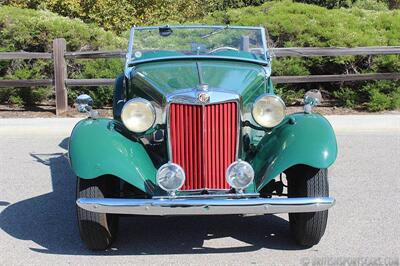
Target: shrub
(365,4)
(378,101)
(30,30)
(98,68)
(383,95)
(395,95)
(328,3)
(290,96)
(121,15)
(393,4)
(301,25)
(16,100)
(371,5)
(346,97)
(289,66)
(289,25)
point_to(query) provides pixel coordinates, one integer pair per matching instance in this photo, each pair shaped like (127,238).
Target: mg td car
(198,130)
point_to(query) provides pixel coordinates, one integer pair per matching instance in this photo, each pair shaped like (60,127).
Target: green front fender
(301,139)
(96,149)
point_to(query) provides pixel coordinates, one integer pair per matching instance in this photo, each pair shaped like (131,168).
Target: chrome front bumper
(208,206)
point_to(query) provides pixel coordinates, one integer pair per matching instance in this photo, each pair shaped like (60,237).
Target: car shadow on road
(49,220)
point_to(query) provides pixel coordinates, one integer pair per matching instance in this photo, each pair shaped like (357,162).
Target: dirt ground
(48,110)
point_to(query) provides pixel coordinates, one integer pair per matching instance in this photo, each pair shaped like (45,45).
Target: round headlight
(268,110)
(170,177)
(239,174)
(138,115)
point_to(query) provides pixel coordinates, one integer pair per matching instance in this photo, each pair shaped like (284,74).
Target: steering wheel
(222,49)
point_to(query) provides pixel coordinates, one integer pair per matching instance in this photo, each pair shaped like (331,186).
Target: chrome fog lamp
(138,115)
(268,110)
(239,175)
(311,98)
(170,177)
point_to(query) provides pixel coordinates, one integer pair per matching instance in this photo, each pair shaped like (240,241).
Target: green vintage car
(198,130)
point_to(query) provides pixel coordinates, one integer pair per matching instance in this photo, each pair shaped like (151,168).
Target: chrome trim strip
(190,97)
(128,56)
(264,39)
(167,118)
(164,207)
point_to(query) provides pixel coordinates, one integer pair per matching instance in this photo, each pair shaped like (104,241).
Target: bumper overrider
(214,205)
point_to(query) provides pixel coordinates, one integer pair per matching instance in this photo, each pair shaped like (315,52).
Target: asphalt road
(38,223)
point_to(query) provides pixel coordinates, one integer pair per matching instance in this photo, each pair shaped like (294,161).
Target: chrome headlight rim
(148,104)
(270,95)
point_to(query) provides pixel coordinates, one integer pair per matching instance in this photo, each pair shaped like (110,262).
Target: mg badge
(203,97)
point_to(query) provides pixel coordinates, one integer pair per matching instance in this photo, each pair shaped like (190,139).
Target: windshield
(152,43)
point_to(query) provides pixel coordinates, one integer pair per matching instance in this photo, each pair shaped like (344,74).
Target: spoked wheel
(97,230)
(304,181)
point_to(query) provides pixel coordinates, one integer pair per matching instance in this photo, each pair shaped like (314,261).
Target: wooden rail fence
(61,81)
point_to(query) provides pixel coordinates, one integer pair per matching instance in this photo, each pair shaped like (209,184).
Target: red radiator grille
(203,141)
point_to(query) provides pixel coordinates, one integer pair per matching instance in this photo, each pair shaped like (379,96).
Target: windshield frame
(131,62)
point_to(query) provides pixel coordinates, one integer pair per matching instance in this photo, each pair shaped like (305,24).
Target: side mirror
(84,104)
(312,98)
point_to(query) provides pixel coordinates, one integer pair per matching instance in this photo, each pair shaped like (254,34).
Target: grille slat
(204,142)
(191,144)
(200,142)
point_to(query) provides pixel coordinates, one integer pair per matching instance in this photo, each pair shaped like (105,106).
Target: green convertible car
(198,130)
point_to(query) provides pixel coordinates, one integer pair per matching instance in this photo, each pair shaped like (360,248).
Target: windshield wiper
(214,32)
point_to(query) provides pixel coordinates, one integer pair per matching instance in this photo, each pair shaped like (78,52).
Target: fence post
(60,74)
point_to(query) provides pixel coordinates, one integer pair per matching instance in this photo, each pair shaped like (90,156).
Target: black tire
(303,181)
(97,230)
